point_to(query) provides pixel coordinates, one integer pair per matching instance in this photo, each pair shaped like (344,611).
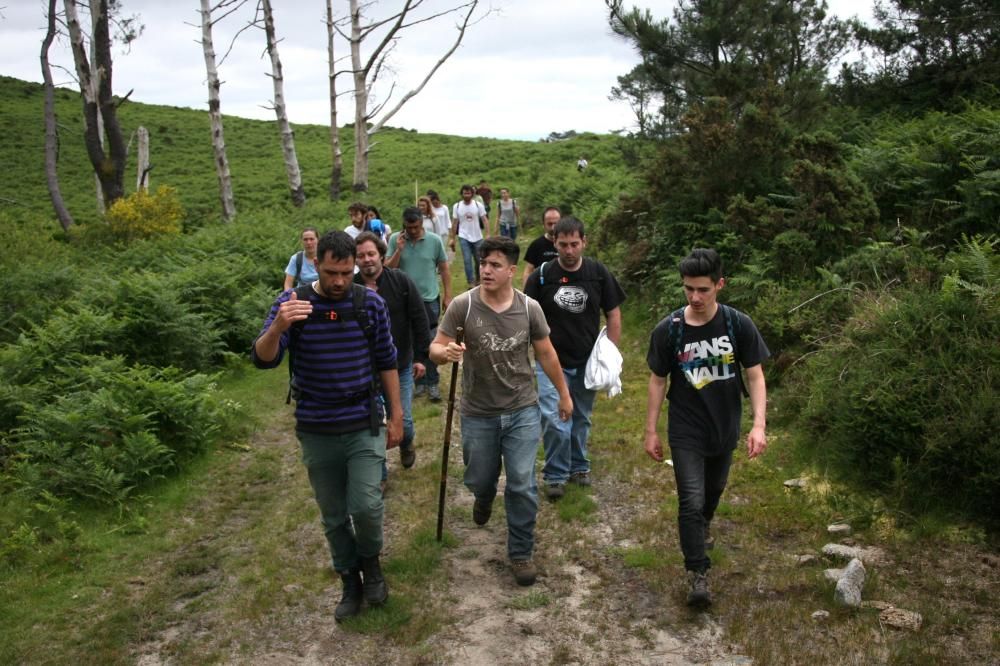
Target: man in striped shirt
(337,356)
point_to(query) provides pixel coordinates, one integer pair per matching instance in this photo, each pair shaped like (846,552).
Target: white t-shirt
(443,222)
(468,216)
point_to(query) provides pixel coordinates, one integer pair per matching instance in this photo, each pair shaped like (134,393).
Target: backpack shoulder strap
(468,309)
(541,272)
(298,265)
(732,315)
(675,330)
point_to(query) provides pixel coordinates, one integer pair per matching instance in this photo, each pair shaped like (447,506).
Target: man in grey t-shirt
(500,417)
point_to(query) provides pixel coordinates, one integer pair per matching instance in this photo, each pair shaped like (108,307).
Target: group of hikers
(361,321)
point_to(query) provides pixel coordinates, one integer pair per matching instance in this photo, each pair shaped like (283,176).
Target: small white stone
(821,615)
(839,529)
(898,618)
(797,483)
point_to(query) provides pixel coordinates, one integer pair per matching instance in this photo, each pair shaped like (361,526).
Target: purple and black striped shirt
(333,362)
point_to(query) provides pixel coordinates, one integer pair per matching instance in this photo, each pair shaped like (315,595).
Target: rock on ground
(848,591)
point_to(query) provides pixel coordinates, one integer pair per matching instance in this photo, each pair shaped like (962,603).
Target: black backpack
(359,314)
(675,331)
(298,266)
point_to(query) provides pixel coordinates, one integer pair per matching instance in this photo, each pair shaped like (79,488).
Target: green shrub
(144,215)
(905,398)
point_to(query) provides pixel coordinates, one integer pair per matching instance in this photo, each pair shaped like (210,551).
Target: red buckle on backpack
(332,315)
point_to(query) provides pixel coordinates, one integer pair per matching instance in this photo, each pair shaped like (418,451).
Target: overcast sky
(529,68)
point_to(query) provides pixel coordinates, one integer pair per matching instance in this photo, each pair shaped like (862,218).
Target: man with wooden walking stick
(500,417)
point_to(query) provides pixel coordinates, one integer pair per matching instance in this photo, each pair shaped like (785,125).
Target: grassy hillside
(181,156)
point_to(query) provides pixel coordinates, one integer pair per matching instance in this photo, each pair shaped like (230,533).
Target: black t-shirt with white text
(704,394)
(573,302)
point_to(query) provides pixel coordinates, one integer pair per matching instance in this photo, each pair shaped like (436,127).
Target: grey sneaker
(699,596)
(524,572)
(419,390)
(434,393)
(580,478)
(481,511)
(554,491)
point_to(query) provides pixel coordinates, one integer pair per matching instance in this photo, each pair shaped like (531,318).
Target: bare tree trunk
(215,116)
(360,74)
(51,135)
(93,96)
(142,158)
(109,166)
(287,136)
(337,172)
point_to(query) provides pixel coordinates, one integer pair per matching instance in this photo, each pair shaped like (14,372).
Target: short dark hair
(357,206)
(702,262)
(340,246)
(501,244)
(412,214)
(548,208)
(568,225)
(466,187)
(433,194)
(367,236)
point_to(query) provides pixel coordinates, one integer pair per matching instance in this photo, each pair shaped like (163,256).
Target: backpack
(358,314)
(675,331)
(298,266)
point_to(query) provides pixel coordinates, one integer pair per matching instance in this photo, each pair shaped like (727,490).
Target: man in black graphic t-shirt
(701,349)
(542,248)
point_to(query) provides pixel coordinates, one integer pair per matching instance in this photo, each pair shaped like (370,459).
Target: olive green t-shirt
(497,376)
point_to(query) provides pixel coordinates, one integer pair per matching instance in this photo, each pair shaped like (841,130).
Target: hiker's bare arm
(394,424)
(529,268)
(396,252)
(545,356)
(757,439)
(445,285)
(654,403)
(614,319)
(289,279)
(444,350)
(293,310)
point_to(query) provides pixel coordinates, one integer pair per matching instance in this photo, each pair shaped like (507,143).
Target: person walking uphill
(499,413)
(470,224)
(700,350)
(573,290)
(302,266)
(338,338)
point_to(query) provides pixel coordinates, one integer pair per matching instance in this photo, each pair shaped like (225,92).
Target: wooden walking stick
(459,334)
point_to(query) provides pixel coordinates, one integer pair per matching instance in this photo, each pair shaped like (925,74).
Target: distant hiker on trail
(410,333)
(429,219)
(701,349)
(485,195)
(301,268)
(573,291)
(375,224)
(500,417)
(470,224)
(340,347)
(443,224)
(543,248)
(581,164)
(420,254)
(359,215)
(508,214)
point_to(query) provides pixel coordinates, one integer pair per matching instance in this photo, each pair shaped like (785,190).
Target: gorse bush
(905,398)
(144,215)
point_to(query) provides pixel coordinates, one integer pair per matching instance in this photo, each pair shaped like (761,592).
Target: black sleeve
(659,358)
(418,320)
(751,348)
(531,287)
(612,294)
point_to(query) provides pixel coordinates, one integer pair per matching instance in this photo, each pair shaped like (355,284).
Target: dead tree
(99,106)
(51,133)
(366,73)
(227,7)
(337,171)
(284,128)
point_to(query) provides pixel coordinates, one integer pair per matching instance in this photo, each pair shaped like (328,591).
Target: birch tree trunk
(287,135)
(51,134)
(93,95)
(108,166)
(215,116)
(337,171)
(360,73)
(142,159)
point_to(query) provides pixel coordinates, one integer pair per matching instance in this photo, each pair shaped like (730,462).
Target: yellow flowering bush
(143,215)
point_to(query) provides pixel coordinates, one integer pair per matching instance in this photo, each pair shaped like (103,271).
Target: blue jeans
(700,482)
(344,475)
(470,257)
(510,232)
(433,310)
(512,437)
(565,441)
(406,399)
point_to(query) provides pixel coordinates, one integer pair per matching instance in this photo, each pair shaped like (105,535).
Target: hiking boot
(419,390)
(554,491)
(580,478)
(524,572)
(481,511)
(709,539)
(350,603)
(434,393)
(407,456)
(699,596)
(375,589)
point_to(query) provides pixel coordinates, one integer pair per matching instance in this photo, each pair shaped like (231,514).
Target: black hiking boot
(350,603)
(481,511)
(375,589)
(407,456)
(699,596)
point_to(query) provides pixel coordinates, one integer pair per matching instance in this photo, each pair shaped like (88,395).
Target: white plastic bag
(604,367)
